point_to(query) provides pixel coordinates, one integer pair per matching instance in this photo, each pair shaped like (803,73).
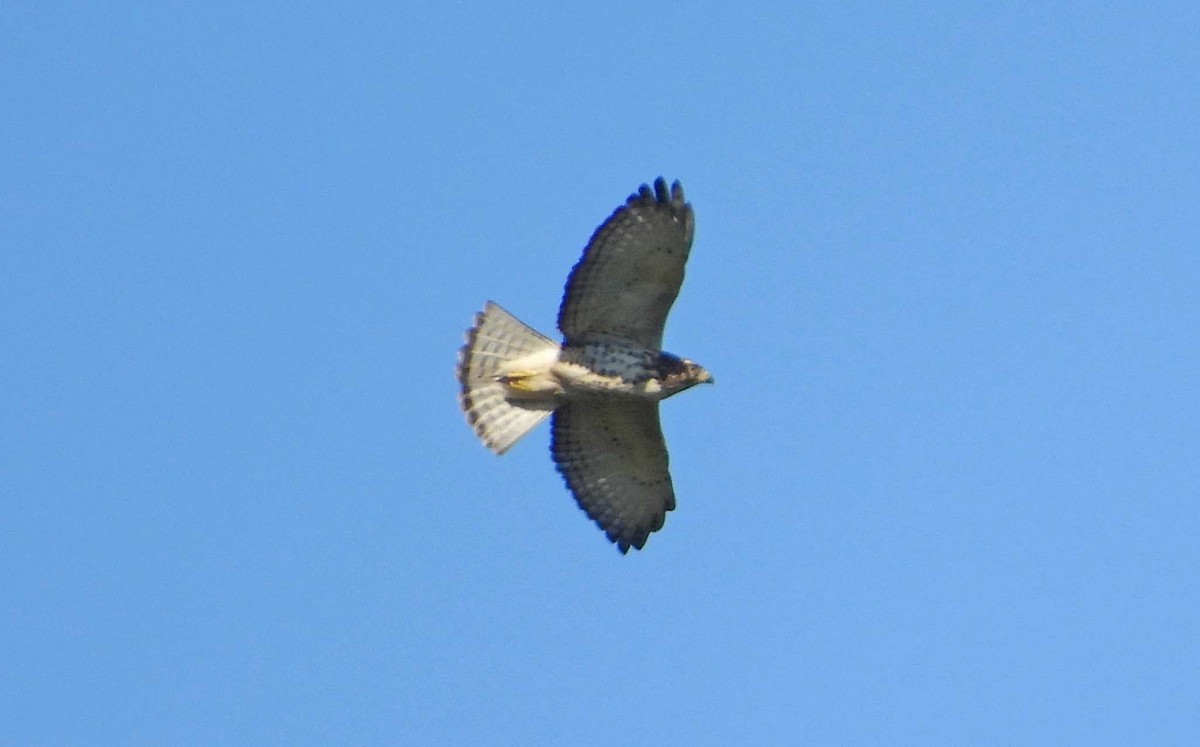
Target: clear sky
(946,275)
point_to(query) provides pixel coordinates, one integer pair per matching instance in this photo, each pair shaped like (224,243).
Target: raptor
(604,382)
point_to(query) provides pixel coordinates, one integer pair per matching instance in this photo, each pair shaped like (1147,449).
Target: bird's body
(604,382)
(622,369)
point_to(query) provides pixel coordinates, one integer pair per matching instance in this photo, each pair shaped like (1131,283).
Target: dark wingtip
(660,190)
(659,193)
(624,542)
(623,537)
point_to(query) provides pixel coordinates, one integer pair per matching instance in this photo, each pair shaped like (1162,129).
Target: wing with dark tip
(612,455)
(631,270)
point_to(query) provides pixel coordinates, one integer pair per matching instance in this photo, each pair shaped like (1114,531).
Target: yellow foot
(519,381)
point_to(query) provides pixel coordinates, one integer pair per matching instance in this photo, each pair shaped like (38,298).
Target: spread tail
(495,341)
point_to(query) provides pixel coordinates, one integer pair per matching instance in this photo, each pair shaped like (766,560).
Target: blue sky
(945,273)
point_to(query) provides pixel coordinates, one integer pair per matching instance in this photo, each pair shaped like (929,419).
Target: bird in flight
(604,382)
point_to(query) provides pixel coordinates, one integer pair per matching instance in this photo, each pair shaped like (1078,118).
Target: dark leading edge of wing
(631,270)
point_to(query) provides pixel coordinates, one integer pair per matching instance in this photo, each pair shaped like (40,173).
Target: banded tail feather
(497,346)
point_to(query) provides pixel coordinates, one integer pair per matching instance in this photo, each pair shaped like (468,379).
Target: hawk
(604,382)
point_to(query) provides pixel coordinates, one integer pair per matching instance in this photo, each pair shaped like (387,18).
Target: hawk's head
(676,374)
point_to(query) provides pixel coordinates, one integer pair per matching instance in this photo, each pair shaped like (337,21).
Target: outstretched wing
(612,454)
(631,270)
